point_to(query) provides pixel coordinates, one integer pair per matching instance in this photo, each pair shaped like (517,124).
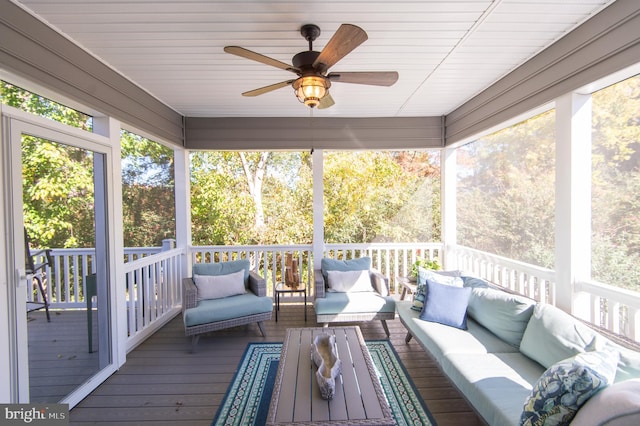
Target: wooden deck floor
(163,383)
(59,358)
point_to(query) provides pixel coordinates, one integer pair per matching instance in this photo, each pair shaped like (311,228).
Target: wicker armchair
(253,306)
(354,307)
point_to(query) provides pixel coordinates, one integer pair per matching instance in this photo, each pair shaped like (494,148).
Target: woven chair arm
(257,284)
(380,282)
(189,294)
(319,283)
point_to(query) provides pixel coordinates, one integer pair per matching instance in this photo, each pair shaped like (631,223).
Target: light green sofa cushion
(359,264)
(224,268)
(353,303)
(553,335)
(505,315)
(442,340)
(214,310)
(495,384)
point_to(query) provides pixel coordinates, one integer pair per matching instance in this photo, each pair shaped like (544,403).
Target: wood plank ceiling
(445,51)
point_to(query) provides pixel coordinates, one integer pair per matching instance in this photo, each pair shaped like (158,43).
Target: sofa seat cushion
(442,340)
(353,303)
(496,385)
(214,310)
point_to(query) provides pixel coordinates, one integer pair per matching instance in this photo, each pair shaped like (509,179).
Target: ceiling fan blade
(347,38)
(267,89)
(381,78)
(249,54)
(326,101)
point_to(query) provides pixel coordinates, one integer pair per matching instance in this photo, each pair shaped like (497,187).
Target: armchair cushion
(224,268)
(349,281)
(354,303)
(359,264)
(214,310)
(219,286)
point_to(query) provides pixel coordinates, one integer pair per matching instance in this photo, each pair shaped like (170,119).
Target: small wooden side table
(281,288)
(408,286)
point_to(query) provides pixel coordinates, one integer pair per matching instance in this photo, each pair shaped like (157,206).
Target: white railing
(154,293)
(64,278)
(613,308)
(530,280)
(393,260)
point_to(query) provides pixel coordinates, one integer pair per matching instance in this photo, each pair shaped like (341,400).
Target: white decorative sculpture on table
(323,352)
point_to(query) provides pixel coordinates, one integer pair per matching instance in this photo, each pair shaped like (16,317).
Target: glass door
(63,317)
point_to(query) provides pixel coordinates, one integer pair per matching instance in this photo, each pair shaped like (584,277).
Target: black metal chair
(37,272)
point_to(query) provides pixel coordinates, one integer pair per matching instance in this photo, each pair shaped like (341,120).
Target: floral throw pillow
(566,386)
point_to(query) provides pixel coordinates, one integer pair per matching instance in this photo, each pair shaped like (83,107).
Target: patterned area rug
(248,397)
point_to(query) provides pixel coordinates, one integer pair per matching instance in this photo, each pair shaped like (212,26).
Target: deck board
(163,383)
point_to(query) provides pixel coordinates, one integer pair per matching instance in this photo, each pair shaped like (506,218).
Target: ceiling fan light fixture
(310,89)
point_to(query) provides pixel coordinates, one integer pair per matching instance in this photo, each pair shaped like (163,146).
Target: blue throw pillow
(446,304)
(442,277)
(566,386)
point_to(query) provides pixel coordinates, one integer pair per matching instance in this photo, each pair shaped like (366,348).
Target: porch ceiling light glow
(311,89)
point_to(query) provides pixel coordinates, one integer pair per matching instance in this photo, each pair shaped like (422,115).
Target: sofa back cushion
(359,264)
(553,335)
(224,268)
(505,315)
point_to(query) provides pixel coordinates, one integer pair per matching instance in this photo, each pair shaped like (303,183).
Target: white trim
(317,159)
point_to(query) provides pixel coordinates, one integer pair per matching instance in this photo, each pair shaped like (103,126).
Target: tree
(147,191)
(616,184)
(57,179)
(506,198)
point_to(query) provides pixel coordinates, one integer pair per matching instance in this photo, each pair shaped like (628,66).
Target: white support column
(318,207)
(183,206)
(573,199)
(111,128)
(448,179)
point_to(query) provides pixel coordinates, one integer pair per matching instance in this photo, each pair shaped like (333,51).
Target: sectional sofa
(508,351)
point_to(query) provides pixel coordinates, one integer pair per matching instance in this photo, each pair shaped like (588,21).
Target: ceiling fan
(312,85)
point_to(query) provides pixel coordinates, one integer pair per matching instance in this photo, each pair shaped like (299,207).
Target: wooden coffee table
(359,399)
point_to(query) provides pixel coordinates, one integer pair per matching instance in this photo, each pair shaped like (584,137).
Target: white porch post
(573,199)
(448,178)
(183,206)
(110,128)
(318,207)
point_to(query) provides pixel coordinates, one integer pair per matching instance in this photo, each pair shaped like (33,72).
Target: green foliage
(57,193)
(616,184)
(506,196)
(148,198)
(381,196)
(57,179)
(58,182)
(424,263)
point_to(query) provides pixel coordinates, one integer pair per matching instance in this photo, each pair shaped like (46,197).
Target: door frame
(13,327)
